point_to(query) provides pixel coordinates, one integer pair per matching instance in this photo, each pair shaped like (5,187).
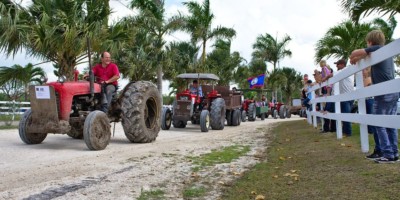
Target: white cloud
(304,21)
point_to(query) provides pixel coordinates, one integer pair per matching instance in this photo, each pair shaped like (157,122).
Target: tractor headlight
(61,79)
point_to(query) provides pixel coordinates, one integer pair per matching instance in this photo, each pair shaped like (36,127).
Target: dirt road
(63,168)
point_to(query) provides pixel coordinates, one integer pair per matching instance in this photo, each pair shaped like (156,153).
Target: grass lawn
(305,164)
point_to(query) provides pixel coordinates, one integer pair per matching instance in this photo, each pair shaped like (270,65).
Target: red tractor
(208,111)
(72,108)
(278,109)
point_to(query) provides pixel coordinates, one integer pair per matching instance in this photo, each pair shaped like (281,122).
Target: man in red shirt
(107,74)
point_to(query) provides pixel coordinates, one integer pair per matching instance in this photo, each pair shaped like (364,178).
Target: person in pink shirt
(107,74)
(325,74)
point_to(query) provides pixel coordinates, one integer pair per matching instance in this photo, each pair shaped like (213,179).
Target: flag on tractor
(256,82)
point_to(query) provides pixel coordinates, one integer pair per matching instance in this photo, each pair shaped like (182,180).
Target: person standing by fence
(346,85)
(369,103)
(384,104)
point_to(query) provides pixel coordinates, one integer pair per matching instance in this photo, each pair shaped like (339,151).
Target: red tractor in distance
(72,108)
(208,111)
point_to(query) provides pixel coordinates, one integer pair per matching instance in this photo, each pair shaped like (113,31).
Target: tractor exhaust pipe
(91,76)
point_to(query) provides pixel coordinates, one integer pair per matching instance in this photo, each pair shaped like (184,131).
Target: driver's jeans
(107,97)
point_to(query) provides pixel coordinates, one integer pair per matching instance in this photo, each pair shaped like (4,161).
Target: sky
(305,21)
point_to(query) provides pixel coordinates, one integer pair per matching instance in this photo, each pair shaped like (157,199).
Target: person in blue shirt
(383,104)
(307,91)
(195,88)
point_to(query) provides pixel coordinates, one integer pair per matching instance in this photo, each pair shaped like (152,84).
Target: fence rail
(13,107)
(360,93)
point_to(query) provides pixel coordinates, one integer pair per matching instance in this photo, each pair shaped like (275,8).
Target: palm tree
(271,50)
(362,8)
(182,58)
(275,80)
(25,75)
(341,40)
(222,62)
(386,27)
(198,25)
(54,30)
(292,84)
(152,18)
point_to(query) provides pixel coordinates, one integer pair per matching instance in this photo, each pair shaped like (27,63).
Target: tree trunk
(159,80)
(203,55)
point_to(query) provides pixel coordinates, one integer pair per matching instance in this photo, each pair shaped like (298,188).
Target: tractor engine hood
(66,91)
(74,88)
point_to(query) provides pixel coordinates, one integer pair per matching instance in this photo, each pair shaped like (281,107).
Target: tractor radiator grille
(58,104)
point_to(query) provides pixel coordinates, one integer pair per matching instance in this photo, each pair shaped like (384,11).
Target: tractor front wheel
(204,121)
(166,119)
(97,130)
(29,138)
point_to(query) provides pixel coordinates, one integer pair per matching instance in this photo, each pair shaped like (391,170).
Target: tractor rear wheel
(229,115)
(204,121)
(97,130)
(217,114)
(141,109)
(166,119)
(282,112)
(29,138)
(275,114)
(244,116)
(288,113)
(252,112)
(236,118)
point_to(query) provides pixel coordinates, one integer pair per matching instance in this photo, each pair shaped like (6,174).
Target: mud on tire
(141,110)
(217,114)
(29,138)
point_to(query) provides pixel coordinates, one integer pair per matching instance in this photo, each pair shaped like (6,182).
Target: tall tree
(18,75)
(271,50)
(199,26)
(152,18)
(341,40)
(182,58)
(362,8)
(54,30)
(223,63)
(292,85)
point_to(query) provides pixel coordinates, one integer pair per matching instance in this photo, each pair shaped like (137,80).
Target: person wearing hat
(345,85)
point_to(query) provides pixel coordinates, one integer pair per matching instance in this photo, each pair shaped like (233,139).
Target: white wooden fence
(13,107)
(360,93)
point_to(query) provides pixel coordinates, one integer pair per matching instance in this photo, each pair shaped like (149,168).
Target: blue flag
(256,81)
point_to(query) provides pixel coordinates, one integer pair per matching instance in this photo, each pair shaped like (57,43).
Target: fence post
(338,109)
(362,110)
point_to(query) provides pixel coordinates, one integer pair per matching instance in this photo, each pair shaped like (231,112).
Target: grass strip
(305,164)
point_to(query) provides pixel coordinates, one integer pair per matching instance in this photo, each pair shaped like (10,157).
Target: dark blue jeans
(329,124)
(345,107)
(369,103)
(388,137)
